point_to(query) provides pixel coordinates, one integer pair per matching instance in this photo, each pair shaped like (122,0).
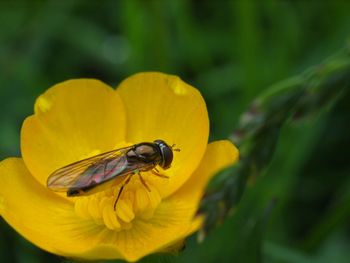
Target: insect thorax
(144,152)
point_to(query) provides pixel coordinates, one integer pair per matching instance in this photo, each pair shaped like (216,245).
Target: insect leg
(143,182)
(127,180)
(160,175)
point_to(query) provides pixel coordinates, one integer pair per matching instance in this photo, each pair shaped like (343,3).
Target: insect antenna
(158,174)
(175,149)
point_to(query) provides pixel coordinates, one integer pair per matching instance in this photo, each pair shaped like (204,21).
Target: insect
(80,177)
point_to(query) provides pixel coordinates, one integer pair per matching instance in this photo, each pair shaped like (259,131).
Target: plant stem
(259,127)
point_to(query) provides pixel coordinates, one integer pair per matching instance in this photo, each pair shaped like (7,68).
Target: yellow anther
(124,211)
(110,218)
(142,200)
(135,202)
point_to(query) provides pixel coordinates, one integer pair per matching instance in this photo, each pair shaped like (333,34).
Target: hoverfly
(80,177)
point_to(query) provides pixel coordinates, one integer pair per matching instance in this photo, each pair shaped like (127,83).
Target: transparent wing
(87,173)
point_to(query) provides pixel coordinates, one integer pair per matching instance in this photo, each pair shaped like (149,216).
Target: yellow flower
(80,118)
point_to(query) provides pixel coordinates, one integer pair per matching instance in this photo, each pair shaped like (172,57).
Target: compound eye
(167,155)
(159,142)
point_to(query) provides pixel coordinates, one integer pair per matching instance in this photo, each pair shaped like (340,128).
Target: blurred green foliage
(232,51)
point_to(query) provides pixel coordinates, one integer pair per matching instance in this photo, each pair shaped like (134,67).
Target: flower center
(135,202)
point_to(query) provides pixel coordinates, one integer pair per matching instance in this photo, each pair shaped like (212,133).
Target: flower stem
(259,127)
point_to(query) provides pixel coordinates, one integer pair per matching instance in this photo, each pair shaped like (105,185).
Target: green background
(230,50)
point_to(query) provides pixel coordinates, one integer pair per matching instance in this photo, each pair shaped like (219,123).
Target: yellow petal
(174,218)
(179,243)
(186,200)
(50,222)
(170,224)
(73,120)
(42,217)
(219,155)
(160,106)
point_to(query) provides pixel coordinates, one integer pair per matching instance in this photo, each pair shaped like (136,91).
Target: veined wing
(89,172)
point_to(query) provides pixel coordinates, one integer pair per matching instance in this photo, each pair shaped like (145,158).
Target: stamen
(110,218)
(93,208)
(142,200)
(124,211)
(135,202)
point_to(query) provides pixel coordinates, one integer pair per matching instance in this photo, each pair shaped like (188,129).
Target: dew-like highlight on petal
(178,87)
(43,104)
(135,202)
